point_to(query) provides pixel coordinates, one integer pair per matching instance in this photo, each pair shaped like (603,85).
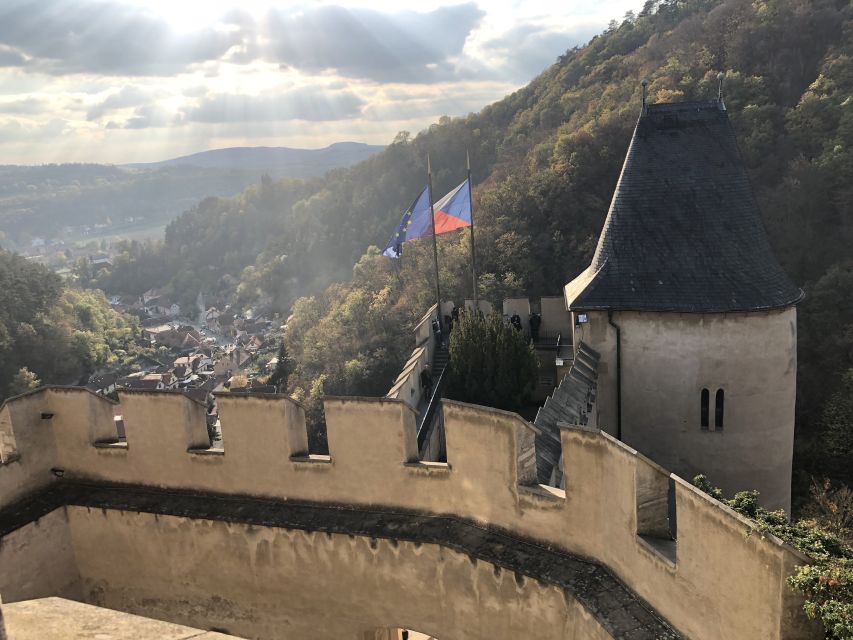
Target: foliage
(49,200)
(837,423)
(828,588)
(53,334)
(827,584)
(23,381)
(835,506)
(283,367)
(490,362)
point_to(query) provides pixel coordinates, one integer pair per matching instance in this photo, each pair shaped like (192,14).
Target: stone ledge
(664,550)
(620,611)
(12,457)
(312,458)
(428,467)
(110,444)
(543,493)
(210,451)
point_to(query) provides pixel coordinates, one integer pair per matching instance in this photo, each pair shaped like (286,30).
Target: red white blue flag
(452,212)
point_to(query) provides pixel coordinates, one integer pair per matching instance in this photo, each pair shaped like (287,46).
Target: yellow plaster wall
(668,358)
(727,581)
(38,560)
(273,583)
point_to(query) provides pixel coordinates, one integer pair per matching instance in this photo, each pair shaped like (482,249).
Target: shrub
(827,584)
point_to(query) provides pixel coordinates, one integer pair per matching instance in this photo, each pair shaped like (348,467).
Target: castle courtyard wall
(263,582)
(666,361)
(724,580)
(37,560)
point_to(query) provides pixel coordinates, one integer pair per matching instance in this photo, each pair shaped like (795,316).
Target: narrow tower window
(704,408)
(718,410)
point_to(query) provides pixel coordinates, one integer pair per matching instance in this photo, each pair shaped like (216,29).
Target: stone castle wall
(666,361)
(724,580)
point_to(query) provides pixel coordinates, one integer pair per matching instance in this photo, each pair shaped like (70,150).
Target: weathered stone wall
(725,581)
(38,560)
(667,359)
(275,583)
(555,318)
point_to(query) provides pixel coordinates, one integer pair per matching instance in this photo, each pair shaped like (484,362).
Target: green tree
(283,368)
(837,423)
(23,381)
(490,363)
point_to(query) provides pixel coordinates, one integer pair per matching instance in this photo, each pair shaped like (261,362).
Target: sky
(117,81)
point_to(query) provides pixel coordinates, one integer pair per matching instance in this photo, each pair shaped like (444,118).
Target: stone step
(584,369)
(584,348)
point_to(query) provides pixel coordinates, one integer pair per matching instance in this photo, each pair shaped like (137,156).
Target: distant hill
(278,161)
(92,201)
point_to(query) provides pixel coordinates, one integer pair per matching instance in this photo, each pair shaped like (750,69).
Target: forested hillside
(53,334)
(68,200)
(545,161)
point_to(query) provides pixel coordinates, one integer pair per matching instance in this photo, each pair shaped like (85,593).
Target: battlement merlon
(611,491)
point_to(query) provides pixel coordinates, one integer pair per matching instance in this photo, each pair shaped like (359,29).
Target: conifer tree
(283,368)
(491,363)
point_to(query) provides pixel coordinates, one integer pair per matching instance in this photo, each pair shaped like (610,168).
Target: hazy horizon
(127,81)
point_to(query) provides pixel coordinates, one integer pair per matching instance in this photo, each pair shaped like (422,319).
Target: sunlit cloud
(300,103)
(140,80)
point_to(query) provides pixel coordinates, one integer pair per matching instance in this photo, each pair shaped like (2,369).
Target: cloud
(28,106)
(127,96)
(431,102)
(95,36)
(119,39)
(11,57)
(526,50)
(148,116)
(17,131)
(362,43)
(301,103)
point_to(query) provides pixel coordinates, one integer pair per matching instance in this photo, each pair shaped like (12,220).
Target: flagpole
(473,261)
(434,246)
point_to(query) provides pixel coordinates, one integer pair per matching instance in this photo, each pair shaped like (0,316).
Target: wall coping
(160,392)
(365,399)
(265,396)
(687,485)
(55,387)
(410,365)
(491,410)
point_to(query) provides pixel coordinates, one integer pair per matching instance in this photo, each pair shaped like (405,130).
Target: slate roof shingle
(684,232)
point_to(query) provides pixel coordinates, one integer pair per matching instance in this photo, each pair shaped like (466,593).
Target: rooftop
(684,232)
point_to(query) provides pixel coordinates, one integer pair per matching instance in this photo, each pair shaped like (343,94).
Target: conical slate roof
(683,232)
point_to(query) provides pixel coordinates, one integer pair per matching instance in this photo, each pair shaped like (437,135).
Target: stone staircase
(571,402)
(440,358)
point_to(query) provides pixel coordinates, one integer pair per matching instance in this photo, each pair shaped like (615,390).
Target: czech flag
(452,212)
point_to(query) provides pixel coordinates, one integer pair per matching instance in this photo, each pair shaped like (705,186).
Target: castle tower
(693,317)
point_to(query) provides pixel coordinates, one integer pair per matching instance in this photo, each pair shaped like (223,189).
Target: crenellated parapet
(718,578)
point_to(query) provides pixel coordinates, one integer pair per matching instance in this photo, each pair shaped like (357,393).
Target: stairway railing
(433,418)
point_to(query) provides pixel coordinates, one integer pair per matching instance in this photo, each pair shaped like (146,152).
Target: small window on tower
(704,408)
(718,410)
